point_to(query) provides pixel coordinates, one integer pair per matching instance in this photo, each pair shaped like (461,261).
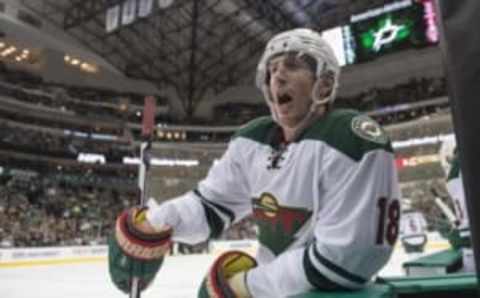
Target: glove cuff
(137,244)
(227,276)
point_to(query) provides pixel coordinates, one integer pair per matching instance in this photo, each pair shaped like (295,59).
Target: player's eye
(272,67)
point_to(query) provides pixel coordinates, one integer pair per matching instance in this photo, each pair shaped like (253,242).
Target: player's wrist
(139,221)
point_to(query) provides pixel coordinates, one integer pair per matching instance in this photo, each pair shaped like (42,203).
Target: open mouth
(284,98)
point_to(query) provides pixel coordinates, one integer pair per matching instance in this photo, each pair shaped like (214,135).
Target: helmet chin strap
(317,110)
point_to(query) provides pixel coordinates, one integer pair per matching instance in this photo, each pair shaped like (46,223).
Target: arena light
(6,52)
(174,162)
(430,17)
(91,158)
(102,136)
(87,67)
(421,141)
(163,162)
(83,65)
(380,10)
(96,136)
(25,54)
(415,161)
(160,134)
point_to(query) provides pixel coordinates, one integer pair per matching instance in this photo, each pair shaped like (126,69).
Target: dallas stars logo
(387,34)
(277,225)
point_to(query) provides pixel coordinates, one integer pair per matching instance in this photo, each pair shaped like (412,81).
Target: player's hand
(227,276)
(136,249)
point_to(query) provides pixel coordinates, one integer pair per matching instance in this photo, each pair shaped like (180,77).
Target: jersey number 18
(388,221)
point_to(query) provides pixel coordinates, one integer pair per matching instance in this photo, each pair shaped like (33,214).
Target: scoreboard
(393,27)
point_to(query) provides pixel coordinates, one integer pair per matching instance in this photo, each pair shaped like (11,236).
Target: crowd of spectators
(42,212)
(48,198)
(60,144)
(94,103)
(413,91)
(48,214)
(69,172)
(387,105)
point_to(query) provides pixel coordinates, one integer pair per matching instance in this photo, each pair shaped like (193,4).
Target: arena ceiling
(193,45)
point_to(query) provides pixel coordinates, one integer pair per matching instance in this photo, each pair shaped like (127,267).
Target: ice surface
(179,277)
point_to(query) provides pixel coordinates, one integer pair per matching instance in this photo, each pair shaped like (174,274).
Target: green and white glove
(227,276)
(136,250)
(457,241)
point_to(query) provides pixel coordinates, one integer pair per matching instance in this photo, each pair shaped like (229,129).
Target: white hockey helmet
(305,42)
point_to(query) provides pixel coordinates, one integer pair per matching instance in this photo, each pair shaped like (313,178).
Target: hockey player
(460,235)
(412,229)
(321,184)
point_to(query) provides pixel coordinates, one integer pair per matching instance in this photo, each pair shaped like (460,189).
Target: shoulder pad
(350,132)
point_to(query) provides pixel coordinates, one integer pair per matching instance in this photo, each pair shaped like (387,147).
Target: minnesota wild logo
(368,129)
(277,225)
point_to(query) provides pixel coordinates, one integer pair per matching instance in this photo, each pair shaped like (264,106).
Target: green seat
(456,284)
(430,281)
(442,262)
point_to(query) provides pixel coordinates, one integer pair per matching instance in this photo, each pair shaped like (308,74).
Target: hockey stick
(443,207)
(148,125)
(446,210)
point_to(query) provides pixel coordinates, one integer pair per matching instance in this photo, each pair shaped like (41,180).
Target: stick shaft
(148,126)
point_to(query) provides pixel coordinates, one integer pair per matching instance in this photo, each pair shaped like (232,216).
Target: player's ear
(324,85)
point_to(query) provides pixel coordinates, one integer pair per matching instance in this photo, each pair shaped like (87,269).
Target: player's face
(291,82)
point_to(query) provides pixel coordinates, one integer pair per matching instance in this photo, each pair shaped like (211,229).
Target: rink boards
(83,254)
(19,257)
(56,272)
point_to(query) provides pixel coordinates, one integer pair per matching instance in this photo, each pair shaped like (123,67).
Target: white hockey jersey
(326,205)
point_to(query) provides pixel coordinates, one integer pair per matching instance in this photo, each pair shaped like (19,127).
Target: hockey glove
(457,241)
(133,252)
(227,276)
